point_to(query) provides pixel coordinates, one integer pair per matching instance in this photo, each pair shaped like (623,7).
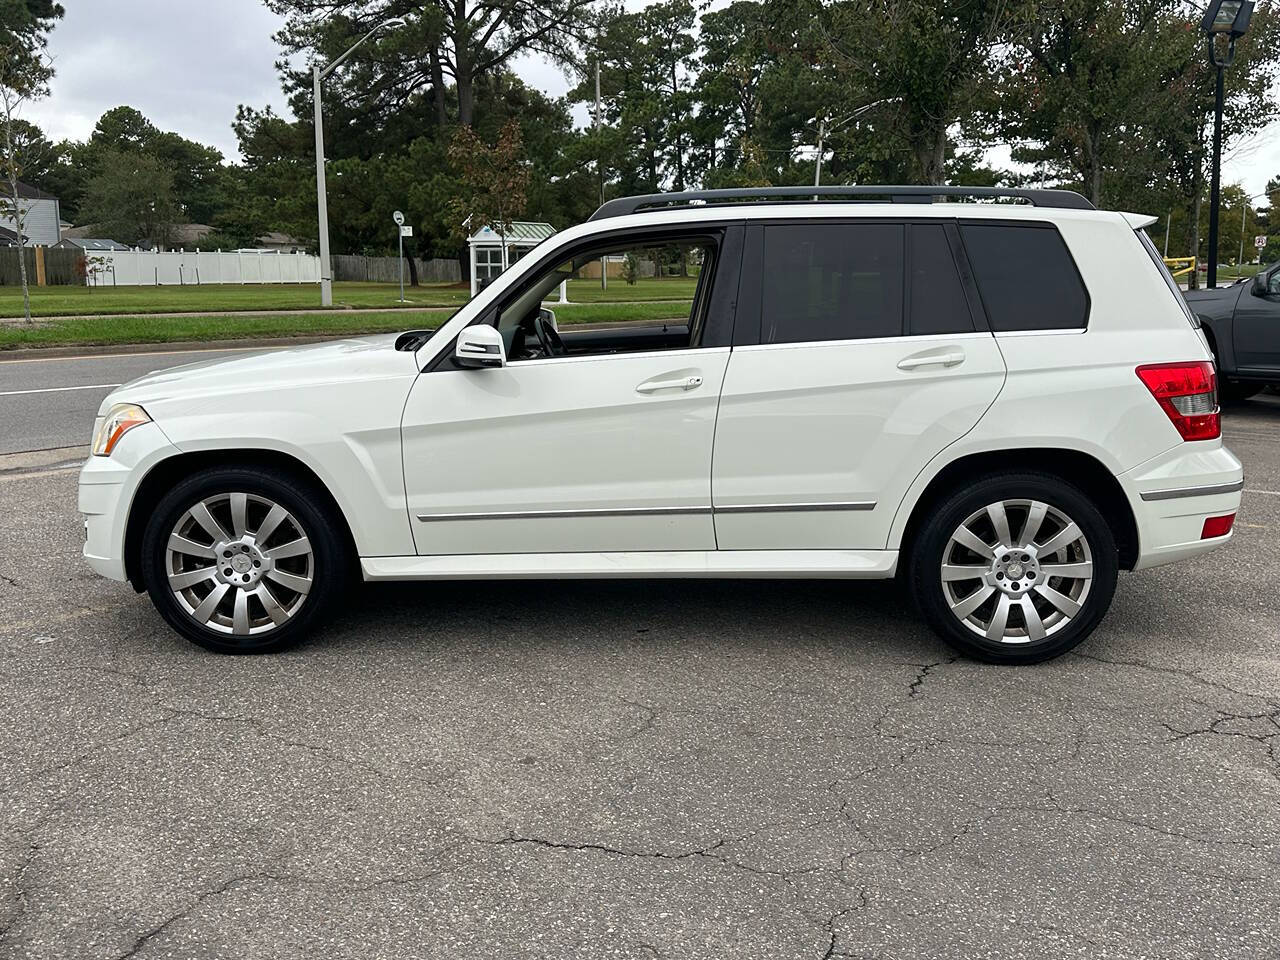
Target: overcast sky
(187,64)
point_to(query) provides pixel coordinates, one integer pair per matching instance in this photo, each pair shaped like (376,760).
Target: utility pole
(1167,221)
(1243,210)
(822,133)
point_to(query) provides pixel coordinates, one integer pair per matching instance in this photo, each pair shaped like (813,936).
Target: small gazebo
(489,256)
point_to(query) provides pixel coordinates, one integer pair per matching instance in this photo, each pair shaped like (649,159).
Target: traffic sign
(406,231)
(1259,242)
(398,217)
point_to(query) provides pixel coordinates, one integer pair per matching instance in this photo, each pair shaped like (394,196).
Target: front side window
(1026,276)
(839,281)
(622,296)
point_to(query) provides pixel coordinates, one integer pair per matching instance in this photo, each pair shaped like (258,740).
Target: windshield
(1172,284)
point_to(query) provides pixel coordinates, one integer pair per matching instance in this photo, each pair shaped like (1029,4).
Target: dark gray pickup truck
(1242,322)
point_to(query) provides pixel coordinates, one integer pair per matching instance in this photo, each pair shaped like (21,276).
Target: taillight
(1217,526)
(1188,394)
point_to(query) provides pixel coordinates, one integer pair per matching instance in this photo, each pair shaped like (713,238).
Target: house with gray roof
(40,215)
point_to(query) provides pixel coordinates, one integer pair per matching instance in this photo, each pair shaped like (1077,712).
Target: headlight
(119,420)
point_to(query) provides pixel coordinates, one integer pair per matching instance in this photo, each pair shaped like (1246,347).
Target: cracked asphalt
(634,770)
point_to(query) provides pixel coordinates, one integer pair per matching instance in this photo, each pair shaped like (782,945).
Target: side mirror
(479,346)
(1259,286)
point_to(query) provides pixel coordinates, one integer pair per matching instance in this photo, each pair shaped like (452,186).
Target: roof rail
(1061,199)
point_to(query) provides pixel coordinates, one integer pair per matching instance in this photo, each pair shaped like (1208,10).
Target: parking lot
(655,769)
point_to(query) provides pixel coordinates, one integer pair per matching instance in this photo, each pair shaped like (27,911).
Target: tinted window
(936,301)
(1027,279)
(832,282)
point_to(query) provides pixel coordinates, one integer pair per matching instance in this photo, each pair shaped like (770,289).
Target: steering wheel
(548,337)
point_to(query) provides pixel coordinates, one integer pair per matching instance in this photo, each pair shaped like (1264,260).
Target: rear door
(860,353)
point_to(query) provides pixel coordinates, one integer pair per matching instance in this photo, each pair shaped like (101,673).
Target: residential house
(40,215)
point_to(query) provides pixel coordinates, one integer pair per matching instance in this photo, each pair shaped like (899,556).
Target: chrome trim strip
(649,511)
(796,507)
(1193,491)
(548,514)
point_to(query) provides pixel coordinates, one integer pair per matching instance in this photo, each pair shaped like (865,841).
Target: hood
(1201,295)
(335,361)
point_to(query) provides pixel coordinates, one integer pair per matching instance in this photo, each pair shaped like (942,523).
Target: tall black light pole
(1228,18)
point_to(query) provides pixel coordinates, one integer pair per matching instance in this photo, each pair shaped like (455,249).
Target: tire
(1238,391)
(206,536)
(1065,606)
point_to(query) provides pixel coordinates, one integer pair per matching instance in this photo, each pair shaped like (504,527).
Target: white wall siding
(128,268)
(39,221)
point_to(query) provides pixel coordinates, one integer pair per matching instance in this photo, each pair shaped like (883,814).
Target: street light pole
(322,199)
(322,202)
(1215,178)
(1228,18)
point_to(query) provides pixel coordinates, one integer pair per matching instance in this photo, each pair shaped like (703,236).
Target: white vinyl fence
(131,268)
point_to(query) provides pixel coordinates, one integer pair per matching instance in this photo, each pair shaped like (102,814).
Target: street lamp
(825,128)
(322,202)
(1229,18)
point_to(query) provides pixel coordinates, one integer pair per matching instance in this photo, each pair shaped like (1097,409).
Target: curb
(172,346)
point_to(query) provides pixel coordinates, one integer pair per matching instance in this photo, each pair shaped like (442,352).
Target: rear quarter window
(1026,276)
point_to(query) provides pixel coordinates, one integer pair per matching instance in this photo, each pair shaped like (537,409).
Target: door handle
(677,383)
(944,358)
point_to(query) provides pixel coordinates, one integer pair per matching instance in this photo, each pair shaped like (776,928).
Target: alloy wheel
(239,563)
(1022,587)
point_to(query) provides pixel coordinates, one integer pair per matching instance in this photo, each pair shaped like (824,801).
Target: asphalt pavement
(49,402)
(651,769)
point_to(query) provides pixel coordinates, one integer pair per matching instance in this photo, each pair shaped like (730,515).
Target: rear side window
(832,282)
(1026,277)
(936,304)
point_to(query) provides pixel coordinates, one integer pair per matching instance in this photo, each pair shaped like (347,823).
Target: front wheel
(1016,568)
(243,560)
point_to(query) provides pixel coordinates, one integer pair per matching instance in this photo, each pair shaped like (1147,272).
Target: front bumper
(1174,493)
(107,489)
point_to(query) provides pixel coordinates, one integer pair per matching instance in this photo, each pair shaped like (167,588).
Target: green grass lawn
(214,298)
(144,329)
(652,288)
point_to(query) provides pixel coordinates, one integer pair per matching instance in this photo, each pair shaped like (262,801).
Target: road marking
(87,386)
(1267,493)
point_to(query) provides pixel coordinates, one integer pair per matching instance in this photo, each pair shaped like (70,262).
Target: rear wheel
(243,560)
(1015,568)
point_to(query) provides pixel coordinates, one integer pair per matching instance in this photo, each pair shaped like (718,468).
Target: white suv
(1004,402)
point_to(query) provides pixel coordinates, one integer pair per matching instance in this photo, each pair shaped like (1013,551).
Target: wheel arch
(164,474)
(1080,469)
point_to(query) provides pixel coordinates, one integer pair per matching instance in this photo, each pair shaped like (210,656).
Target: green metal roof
(521,231)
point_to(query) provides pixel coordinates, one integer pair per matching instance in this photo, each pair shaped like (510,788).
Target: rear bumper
(1173,494)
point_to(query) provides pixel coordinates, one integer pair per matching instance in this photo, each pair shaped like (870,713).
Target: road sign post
(398,217)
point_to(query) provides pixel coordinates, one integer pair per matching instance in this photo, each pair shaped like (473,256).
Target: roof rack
(1061,199)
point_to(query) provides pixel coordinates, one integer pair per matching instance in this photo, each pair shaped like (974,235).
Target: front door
(596,453)
(596,436)
(1256,330)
